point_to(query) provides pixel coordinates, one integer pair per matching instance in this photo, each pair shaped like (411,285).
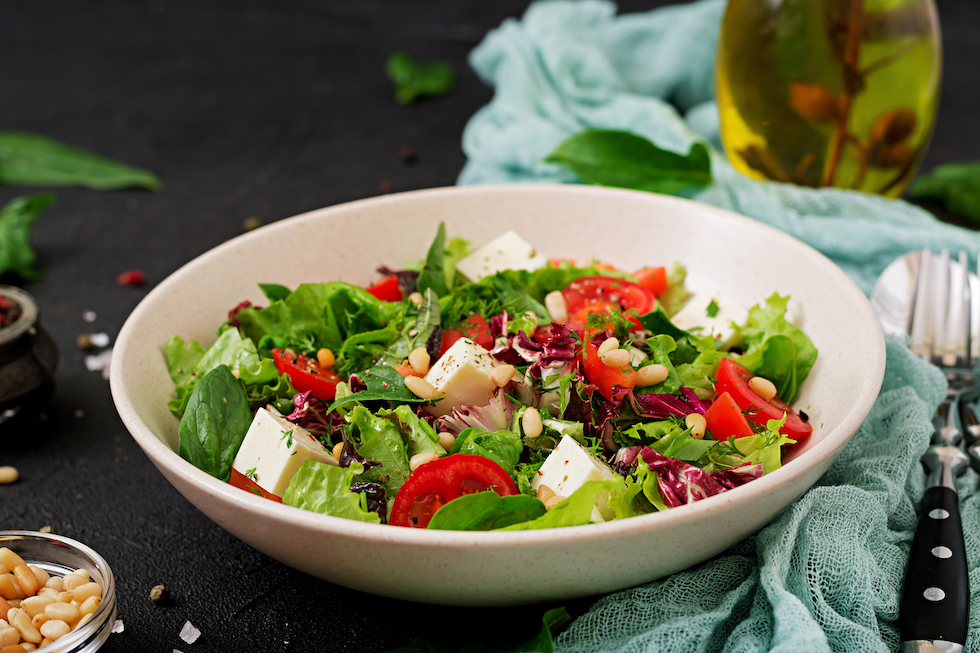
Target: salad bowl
(743,260)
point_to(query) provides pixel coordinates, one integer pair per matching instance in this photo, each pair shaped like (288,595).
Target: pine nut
(9,636)
(3,569)
(446,441)
(325,358)
(8,589)
(557,306)
(651,375)
(416,298)
(85,617)
(544,493)
(9,559)
(502,374)
(56,583)
(418,460)
(337,450)
(83,592)
(4,608)
(419,359)
(62,611)
(74,579)
(531,423)
(41,575)
(762,387)
(421,388)
(553,501)
(617,358)
(607,346)
(26,579)
(27,630)
(14,648)
(54,629)
(697,424)
(8,475)
(38,620)
(34,605)
(90,605)
(63,597)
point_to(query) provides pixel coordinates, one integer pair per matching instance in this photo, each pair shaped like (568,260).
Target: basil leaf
(620,158)
(413,79)
(16,220)
(28,159)
(325,489)
(215,423)
(956,185)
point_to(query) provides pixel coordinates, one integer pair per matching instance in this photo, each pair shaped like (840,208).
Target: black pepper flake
(804,416)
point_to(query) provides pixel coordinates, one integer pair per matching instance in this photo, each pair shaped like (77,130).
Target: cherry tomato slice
(435,484)
(243,482)
(601,375)
(653,279)
(306,374)
(474,327)
(725,419)
(387,290)
(599,294)
(732,377)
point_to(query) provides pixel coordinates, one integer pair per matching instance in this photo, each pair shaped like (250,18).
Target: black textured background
(243,109)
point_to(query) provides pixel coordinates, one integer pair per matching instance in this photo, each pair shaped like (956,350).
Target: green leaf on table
(16,220)
(28,159)
(215,423)
(623,159)
(955,185)
(414,79)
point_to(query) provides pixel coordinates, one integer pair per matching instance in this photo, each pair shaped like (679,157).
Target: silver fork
(934,610)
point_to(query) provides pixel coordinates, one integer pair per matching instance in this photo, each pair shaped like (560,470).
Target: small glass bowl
(59,556)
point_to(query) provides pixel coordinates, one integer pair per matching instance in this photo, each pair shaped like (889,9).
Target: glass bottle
(829,92)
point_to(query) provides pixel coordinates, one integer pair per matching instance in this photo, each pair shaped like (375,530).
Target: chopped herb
(712,309)
(287,434)
(251,475)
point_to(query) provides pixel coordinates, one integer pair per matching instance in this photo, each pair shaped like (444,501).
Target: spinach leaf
(28,159)
(433,273)
(16,220)
(215,423)
(620,158)
(956,185)
(274,291)
(413,79)
(381,442)
(325,489)
(384,383)
(426,322)
(573,511)
(485,511)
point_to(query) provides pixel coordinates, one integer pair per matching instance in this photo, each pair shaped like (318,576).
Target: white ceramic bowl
(743,259)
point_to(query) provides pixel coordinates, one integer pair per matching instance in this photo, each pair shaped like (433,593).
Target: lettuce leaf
(230,349)
(576,510)
(502,447)
(325,489)
(381,442)
(418,435)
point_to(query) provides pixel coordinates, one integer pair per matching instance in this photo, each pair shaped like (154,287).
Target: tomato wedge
(732,377)
(598,373)
(599,294)
(306,374)
(387,290)
(243,482)
(474,327)
(435,484)
(725,419)
(653,279)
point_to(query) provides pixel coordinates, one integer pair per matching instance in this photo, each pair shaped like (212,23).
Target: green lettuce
(188,362)
(325,489)
(576,510)
(381,441)
(502,447)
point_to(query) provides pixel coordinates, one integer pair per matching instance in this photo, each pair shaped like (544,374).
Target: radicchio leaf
(681,483)
(311,414)
(407,279)
(495,416)
(692,400)
(375,498)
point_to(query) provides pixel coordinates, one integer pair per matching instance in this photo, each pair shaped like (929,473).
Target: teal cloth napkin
(826,574)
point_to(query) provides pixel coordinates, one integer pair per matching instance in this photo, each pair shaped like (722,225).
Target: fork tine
(920,326)
(953,347)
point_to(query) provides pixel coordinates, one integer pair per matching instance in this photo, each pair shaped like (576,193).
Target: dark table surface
(244,109)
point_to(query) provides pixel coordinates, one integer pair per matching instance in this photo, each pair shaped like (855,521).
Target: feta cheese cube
(507,252)
(568,468)
(462,377)
(694,314)
(274,448)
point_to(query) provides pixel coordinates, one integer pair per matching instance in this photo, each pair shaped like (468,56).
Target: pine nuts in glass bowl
(86,573)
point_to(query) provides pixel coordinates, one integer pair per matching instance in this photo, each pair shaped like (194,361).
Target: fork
(934,609)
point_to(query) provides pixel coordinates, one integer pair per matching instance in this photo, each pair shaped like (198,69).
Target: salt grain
(118,627)
(99,362)
(189,633)
(89,316)
(99,339)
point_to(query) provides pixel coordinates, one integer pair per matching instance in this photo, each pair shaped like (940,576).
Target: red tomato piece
(732,377)
(435,484)
(601,375)
(387,290)
(653,279)
(725,419)
(474,327)
(239,480)
(600,294)
(306,374)
(406,370)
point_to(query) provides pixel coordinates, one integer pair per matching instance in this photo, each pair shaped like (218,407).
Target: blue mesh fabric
(826,574)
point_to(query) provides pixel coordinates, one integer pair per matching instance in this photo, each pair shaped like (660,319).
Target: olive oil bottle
(829,92)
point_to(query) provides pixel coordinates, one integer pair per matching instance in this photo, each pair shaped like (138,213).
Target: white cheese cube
(462,377)
(568,468)
(506,252)
(695,314)
(273,450)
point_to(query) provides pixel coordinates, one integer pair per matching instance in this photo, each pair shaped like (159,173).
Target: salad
(492,388)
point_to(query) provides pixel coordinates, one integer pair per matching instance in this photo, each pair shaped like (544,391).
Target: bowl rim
(829,445)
